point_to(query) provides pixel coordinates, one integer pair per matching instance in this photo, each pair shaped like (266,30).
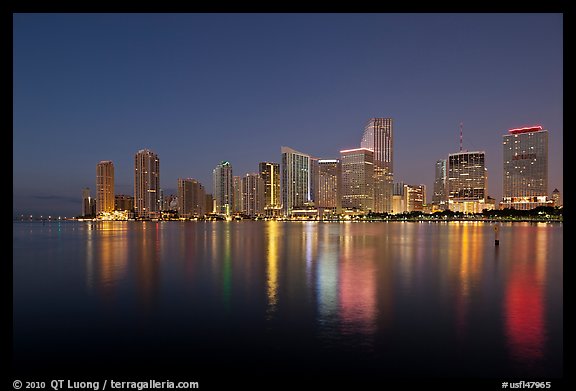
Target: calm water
(394,299)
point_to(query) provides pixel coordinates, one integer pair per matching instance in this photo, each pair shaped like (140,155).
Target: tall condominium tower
(191,198)
(525,177)
(467,182)
(236,194)
(104,187)
(357,179)
(252,194)
(440,197)
(146,184)
(328,194)
(87,203)
(270,174)
(295,179)
(223,191)
(378,137)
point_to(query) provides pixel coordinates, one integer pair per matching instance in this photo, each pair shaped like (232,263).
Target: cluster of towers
(361,180)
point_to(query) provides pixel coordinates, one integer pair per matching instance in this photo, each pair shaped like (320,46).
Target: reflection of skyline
(466,269)
(106,255)
(357,285)
(524,306)
(272,254)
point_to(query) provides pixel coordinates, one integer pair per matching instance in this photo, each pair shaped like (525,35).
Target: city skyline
(282,89)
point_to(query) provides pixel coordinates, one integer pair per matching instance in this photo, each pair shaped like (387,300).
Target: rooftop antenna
(461,124)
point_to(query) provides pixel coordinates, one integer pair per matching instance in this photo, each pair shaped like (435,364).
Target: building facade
(329,192)
(295,180)
(146,184)
(440,196)
(378,137)
(525,171)
(270,174)
(88,203)
(123,202)
(191,198)
(467,182)
(223,189)
(252,195)
(104,187)
(357,179)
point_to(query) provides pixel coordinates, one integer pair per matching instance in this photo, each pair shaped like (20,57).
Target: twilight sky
(201,88)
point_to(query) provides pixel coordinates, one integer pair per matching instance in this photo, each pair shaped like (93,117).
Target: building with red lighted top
(525,176)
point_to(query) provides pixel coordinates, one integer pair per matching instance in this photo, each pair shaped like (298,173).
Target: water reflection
(272,254)
(357,285)
(524,303)
(106,256)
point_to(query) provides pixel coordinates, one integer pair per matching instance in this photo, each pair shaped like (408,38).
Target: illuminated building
(378,137)
(440,197)
(252,194)
(328,194)
(314,173)
(104,187)
(209,203)
(270,174)
(525,176)
(237,194)
(556,198)
(88,203)
(223,192)
(415,197)
(295,180)
(357,179)
(467,182)
(123,202)
(146,184)
(191,198)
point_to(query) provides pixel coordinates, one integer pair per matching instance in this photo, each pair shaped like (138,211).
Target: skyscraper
(378,137)
(295,180)
(252,194)
(104,187)
(236,194)
(415,197)
(270,174)
(223,191)
(191,198)
(87,203)
(440,197)
(146,184)
(525,177)
(328,195)
(467,182)
(357,179)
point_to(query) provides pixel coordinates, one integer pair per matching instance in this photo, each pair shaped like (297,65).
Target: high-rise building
(223,190)
(295,180)
(378,137)
(270,174)
(252,194)
(314,173)
(328,195)
(398,198)
(146,184)
(209,203)
(237,194)
(191,198)
(357,179)
(104,187)
(556,198)
(525,177)
(467,182)
(88,203)
(440,197)
(415,197)
(123,202)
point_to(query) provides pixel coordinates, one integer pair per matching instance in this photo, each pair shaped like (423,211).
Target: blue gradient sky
(201,88)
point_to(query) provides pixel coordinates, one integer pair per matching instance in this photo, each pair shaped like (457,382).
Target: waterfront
(396,299)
